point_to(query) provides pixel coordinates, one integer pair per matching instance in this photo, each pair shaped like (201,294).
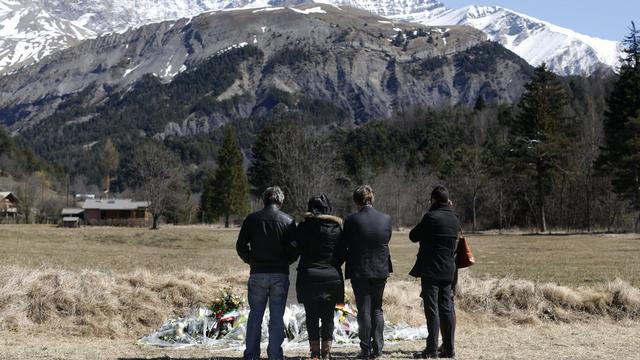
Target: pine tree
(542,136)
(620,157)
(230,188)
(480,104)
(265,167)
(208,183)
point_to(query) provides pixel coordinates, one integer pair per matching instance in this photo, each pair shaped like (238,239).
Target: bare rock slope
(363,64)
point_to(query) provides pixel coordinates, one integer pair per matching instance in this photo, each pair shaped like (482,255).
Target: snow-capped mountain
(117,15)
(392,7)
(31,29)
(28,33)
(565,51)
(104,16)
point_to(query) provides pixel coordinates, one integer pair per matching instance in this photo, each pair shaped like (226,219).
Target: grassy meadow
(74,293)
(571,260)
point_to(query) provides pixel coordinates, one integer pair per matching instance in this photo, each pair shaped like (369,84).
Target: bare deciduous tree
(404,195)
(157,170)
(299,160)
(110,159)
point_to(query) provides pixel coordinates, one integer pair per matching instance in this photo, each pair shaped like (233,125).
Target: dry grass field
(562,259)
(90,292)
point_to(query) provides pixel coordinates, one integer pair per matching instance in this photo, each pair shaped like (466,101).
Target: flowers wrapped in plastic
(223,326)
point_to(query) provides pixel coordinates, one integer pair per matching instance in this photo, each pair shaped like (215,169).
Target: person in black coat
(437,234)
(320,284)
(368,264)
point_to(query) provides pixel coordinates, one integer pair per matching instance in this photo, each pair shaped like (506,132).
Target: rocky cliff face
(365,65)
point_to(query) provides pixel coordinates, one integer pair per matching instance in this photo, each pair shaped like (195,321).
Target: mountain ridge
(349,57)
(571,53)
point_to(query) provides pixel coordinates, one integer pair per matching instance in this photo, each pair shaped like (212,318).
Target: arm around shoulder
(290,242)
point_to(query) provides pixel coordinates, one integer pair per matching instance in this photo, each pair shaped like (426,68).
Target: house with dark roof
(115,212)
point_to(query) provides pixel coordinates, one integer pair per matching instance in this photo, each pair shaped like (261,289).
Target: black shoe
(424,354)
(447,354)
(363,355)
(375,354)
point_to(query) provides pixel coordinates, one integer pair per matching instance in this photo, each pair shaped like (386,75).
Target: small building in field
(8,205)
(71,221)
(72,217)
(116,212)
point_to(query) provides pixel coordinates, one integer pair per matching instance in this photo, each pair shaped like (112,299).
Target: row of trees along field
(31,179)
(562,158)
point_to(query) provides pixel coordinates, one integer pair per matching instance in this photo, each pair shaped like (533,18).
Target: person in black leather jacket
(320,285)
(264,243)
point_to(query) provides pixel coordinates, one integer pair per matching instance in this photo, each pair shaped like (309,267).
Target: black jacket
(265,241)
(438,237)
(366,235)
(319,243)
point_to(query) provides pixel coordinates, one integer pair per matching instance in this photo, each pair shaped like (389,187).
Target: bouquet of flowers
(226,302)
(346,323)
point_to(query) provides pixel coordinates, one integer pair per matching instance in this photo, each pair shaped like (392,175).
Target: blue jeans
(262,288)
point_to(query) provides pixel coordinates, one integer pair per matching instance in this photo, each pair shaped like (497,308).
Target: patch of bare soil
(475,340)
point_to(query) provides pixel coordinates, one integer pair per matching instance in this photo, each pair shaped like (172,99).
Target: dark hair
(273,195)
(440,195)
(319,204)
(363,195)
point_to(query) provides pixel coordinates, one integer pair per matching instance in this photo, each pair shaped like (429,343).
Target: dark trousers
(320,312)
(440,314)
(368,293)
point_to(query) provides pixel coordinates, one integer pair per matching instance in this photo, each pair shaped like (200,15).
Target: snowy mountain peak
(393,7)
(474,11)
(565,51)
(28,33)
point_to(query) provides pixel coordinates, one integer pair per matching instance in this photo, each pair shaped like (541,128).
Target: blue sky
(607,19)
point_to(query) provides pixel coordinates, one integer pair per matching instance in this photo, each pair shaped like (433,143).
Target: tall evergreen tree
(542,136)
(265,168)
(480,104)
(620,156)
(229,192)
(208,183)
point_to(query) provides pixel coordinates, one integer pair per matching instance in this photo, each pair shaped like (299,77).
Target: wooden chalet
(115,212)
(8,206)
